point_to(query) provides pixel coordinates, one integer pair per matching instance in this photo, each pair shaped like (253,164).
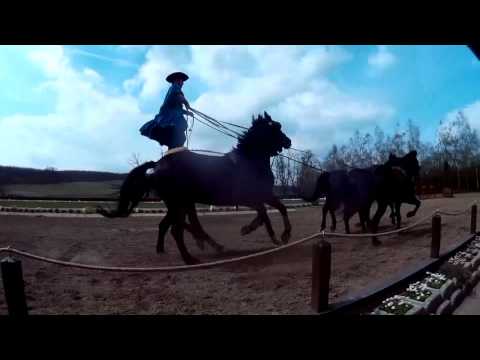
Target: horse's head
(411,164)
(264,137)
(392,158)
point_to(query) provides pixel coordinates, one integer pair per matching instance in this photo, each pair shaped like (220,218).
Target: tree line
(451,160)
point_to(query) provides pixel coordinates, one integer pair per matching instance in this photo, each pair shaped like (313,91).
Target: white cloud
(289,82)
(94,128)
(133,48)
(89,129)
(471,111)
(113,60)
(150,78)
(51,59)
(382,59)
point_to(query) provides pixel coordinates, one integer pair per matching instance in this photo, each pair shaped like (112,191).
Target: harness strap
(175,150)
(400,169)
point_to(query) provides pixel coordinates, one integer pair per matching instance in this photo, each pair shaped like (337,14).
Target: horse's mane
(247,139)
(408,162)
(254,137)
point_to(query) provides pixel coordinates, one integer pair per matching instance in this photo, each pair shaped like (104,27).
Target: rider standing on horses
(169,125)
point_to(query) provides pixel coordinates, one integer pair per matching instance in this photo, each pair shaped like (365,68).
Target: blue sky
(80,107)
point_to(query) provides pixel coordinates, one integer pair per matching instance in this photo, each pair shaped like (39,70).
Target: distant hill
(28,183)
(11,175)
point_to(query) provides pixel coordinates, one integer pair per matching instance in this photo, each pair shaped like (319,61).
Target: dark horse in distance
(241,177)
(409,164)
(339,190)
(389,184)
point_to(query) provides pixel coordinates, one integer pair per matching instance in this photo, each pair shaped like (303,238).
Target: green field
(49,204)
(91,190)
(54,204)
(88,189)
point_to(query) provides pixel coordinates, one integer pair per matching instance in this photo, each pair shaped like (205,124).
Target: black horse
(392,186)
(241,177)
(409,163)
(339,190)
(357,189)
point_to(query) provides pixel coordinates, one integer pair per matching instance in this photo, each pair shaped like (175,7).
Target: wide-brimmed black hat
(177,76)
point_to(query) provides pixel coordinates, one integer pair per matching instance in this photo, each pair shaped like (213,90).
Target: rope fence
(447,213)
(218,263)
(12,273)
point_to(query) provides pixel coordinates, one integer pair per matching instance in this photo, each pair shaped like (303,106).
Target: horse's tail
(132,191)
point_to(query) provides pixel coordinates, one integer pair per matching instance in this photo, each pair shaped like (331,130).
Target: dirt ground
(276,284)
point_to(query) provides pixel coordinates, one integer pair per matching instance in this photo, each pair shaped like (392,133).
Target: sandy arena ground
(277,284)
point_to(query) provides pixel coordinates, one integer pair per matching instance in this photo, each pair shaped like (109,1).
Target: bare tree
(398,142)
(135,160)
(306,173)
(280,172)
(334,160)
(458,144)
(360,150)
(413,136)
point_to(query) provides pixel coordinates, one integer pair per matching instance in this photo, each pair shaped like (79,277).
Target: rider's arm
(184,100)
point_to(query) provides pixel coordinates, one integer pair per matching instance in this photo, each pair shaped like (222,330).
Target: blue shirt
(171,111)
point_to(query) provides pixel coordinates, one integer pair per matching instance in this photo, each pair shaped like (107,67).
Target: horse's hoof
(275,240)
(245,230)
(285,237)
(410,214)
(192,261)
(201,245)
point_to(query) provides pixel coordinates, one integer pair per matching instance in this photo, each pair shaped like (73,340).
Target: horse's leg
(163,227)
(325,210)
(194,228)
(381,208)
(261,218)
(413,201)
(346,220)
(262,213)
(256,222)
(333,217)
(398,204)
(363,219)
(198,232)
(178,218)
(162,232)
(277,204)
(392,214)
(347,214)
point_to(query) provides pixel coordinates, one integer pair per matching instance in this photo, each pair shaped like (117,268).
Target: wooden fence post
(473,222)
(436,236)
(321,271)
(13,286)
